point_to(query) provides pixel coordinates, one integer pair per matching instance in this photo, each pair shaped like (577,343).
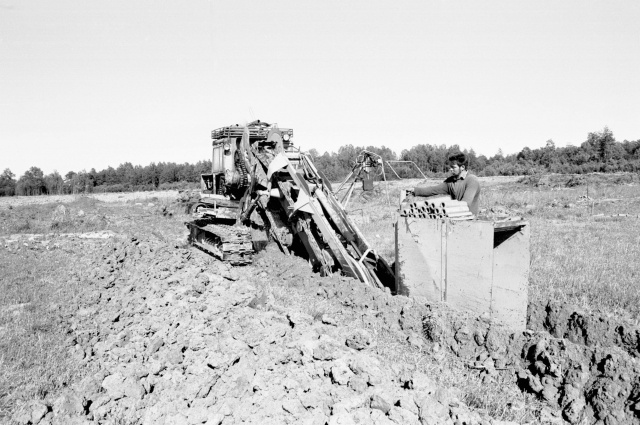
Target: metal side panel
(469,265)
(511,279)
(419,266)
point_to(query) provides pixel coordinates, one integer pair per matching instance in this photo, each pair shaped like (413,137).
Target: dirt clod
(584,376)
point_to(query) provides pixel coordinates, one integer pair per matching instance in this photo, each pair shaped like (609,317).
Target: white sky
(90,83)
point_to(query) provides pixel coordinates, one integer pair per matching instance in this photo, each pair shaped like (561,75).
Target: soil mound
(175,337)
(586,383)
(563,320)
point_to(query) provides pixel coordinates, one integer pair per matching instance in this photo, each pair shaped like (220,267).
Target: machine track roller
(228,243)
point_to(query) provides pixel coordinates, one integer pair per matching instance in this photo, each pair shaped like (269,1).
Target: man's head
(458,162)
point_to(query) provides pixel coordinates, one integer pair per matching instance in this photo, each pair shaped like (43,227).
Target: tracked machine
(262,188)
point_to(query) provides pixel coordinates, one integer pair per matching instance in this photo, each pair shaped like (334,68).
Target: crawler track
(228,243)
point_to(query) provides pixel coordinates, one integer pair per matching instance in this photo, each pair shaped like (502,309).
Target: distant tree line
(599,153)
(126,177)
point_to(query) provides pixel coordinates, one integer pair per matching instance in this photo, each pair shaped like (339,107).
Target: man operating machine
(461,185)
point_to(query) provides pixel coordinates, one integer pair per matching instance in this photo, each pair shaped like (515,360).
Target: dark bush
(577,180)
